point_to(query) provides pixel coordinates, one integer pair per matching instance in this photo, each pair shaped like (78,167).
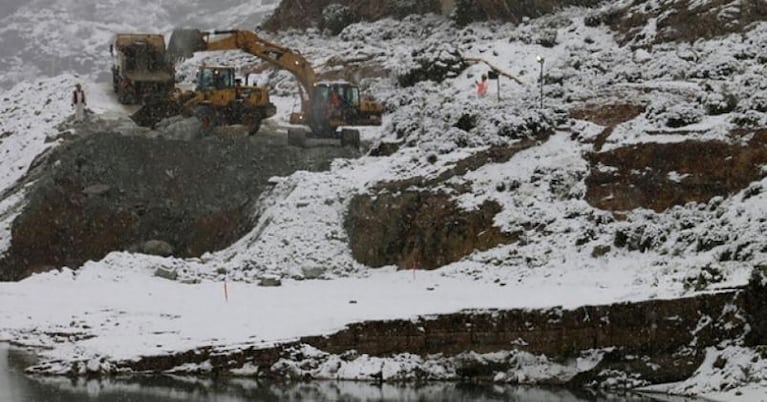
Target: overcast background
(50,37)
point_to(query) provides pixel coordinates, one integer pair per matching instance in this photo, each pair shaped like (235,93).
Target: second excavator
(326,107)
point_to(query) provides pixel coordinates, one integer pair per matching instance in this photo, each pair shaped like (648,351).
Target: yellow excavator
(326,107)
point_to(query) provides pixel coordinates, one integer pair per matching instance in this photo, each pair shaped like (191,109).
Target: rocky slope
(104,191)
(335,15)
(641,170)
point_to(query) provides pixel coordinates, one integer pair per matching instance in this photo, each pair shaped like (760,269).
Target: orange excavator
(326,107)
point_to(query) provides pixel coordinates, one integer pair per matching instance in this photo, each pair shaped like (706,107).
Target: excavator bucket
(184,42)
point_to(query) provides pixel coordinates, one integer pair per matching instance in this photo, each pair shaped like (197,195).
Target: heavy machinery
(140,66)
(325,106)
(218,99)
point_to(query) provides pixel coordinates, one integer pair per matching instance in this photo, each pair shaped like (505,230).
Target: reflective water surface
(16,387)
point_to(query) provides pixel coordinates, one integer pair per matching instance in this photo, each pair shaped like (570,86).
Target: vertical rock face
(756,306)
(447,6)
(659,176)
(679,20)
(309,13)
(415,223)
(467,11)
(656,341)
(419,229)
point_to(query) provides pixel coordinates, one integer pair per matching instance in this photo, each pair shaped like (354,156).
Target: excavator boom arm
(185,42)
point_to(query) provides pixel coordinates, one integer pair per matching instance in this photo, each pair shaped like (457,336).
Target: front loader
(325,106)
(217,100)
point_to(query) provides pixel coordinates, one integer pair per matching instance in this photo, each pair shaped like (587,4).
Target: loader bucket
(184,42)
(154,110)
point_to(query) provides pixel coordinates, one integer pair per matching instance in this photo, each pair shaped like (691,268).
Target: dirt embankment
(609,116)
(409,224)
(108,192)
(658,176)
(654,341)
(680,20)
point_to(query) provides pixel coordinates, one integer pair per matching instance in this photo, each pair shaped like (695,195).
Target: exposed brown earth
(642,328)
(660,340)
(419,229)
(515,11)
(638,175)
(308,13)
(609,115)
(677,22)
(408,224)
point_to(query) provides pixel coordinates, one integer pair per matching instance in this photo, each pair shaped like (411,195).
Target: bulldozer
(326,107)
(218,99)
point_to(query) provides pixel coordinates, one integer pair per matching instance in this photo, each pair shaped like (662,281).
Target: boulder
(312,271)
(166,272)
(157,247)
(178,128)
(270,281)
(600,250)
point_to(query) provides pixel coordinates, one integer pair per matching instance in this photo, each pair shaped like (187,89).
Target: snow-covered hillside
(568,253)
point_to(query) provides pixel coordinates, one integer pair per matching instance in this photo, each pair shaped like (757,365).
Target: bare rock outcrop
(416,229)
(410,224)
(678,21)
(335,14)
(107,192)
(658,176)
(467,11)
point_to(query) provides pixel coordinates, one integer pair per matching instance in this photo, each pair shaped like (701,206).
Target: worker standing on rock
(79,103)
(482,86)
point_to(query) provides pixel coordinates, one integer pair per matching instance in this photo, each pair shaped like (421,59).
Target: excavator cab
(215,78)
(339,103)
(333,104)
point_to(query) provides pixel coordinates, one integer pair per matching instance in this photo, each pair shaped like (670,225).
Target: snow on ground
(306,361)
(300,229)
(732,374)
(115,309)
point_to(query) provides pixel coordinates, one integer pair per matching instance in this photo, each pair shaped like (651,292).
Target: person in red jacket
(482,86)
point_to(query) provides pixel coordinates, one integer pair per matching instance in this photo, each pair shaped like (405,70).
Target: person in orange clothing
(334,105)
(482,86)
